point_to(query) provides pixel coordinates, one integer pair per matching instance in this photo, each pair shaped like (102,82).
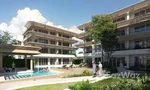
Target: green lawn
(61,86)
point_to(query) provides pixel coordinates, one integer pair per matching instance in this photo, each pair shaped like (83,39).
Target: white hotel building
(133,27)
(56,44)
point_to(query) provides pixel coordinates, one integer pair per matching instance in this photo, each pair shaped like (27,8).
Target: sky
(66,14)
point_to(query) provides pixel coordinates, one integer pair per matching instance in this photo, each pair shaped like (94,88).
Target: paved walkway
(22,84)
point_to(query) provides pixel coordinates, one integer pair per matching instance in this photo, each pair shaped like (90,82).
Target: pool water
(13,76)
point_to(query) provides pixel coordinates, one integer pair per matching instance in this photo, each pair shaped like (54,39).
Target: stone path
(22,84)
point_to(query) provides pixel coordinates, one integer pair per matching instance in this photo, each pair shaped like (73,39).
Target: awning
(54,56)
(17,49)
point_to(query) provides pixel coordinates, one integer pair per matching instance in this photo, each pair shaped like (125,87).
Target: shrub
(116,84)
(84,73)
(77,61)
(84,85)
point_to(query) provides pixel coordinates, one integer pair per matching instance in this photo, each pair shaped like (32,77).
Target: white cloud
(16,25)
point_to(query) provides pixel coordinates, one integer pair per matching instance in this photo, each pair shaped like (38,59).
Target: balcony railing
(51,45)
(133,21)
(52,36)
(135,48)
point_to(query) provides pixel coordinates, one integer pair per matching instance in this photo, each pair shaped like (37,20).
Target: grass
(105,82)
(60,86)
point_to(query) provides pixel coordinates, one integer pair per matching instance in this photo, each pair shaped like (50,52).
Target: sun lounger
(64,66)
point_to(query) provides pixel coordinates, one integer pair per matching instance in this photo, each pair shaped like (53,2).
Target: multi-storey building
(133,27)
(56,44)
(91,50)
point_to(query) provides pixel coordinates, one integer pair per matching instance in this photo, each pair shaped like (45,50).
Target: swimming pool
(27,74)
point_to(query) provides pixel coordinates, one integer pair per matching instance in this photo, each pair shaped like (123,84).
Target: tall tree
(5,37)
(103,30)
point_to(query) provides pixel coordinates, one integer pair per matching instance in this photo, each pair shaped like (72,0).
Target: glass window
(43,31)
(52,42)
(65,61)
(43,61)
(65,44)
(148,11)
(59,61)
(148,27)
(44,50)
(142,13)
(52,61)
(52,51)
(65,51)
(43,41)
(140,28)
(147,43)
(52,33)
(65,36)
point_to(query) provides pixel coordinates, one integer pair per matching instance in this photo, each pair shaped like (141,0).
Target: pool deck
(28,83)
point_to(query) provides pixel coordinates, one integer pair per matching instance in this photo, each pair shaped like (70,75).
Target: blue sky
(62,12)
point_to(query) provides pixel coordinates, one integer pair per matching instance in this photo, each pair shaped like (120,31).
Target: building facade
(133,28)
(56,44)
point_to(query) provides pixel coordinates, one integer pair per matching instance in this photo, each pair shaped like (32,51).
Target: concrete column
(93,52)
(57,61)
(127,58)
(1,62)
(25,57)
(37,61)
(70,60)
(127,31)
(49,62)
(127,44)
(128,15)
(61,61)
(31,63)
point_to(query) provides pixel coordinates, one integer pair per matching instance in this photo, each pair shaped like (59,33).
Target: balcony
(52,37)
(82,35)
(50,45)
(86,44)
(134,36)
(133,21)
(139,51)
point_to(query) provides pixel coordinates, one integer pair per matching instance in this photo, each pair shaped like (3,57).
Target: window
(139,44)
(60,51)
(35,40)
(98,48)
(59,43)
(52,42)
(120,46)
(139,29)
(65,36)
(59,61)
(52,33)
(88,50)
(148,27)
(52,51)
(52,61)
(35,30)
(65,51)
(121,32)
(65,44)
(43,41)
(43,61)
(141,13)
(147,43)
(148,11)
(59,35)
(65,61)
(43,31)
(119,19)
(44,50)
